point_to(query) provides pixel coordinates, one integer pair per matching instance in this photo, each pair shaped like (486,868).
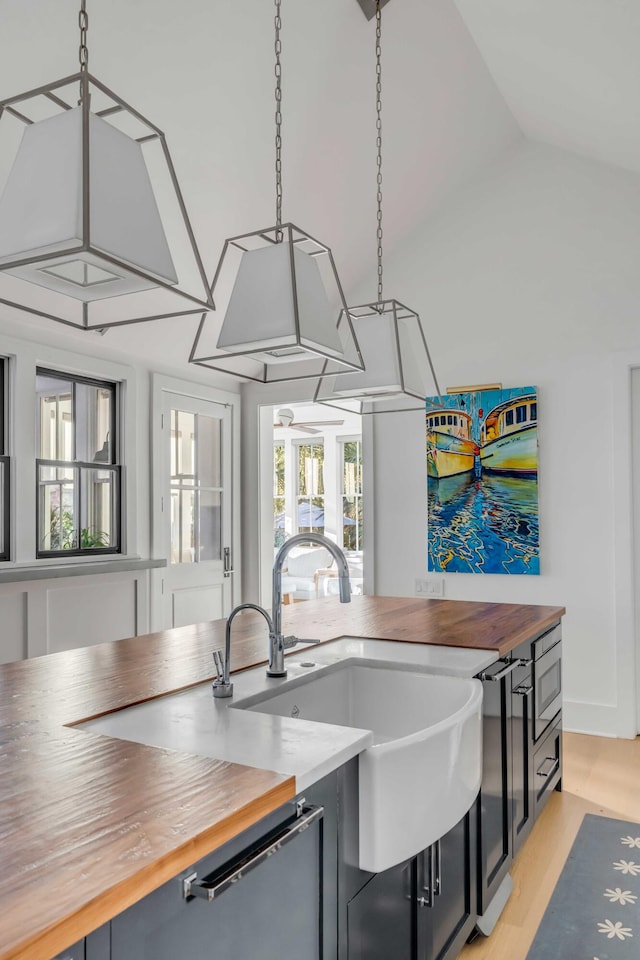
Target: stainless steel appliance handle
(506,670)
(523,690)
(555,764)
(427,878)
(206,891)
(431,872)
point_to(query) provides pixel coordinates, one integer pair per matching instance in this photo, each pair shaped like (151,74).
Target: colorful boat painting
(450,448)
(509,438)
(482,481)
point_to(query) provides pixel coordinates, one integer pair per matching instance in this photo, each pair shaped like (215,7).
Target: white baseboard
(597,719)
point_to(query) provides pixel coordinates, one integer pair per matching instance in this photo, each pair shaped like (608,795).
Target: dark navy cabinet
(448,916)
(259,896)
(495,846)
(97,946)
(381,917)
(522,753)
(522,745)
(423,909)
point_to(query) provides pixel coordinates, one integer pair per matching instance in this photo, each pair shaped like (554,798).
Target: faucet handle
(219,664)
(220,686)
(291,641)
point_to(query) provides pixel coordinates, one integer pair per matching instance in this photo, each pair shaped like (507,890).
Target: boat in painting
(509,438)
(451,450)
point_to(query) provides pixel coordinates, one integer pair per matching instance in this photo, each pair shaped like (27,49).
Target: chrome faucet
(222,686)
(277,642)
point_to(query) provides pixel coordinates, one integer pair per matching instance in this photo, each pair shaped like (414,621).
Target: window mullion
(196,489)
(77,500)
(74,421)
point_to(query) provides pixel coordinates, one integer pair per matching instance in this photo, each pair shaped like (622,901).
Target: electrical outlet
(431,587)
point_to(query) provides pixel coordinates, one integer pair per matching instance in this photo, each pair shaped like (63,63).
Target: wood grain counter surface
(89,824)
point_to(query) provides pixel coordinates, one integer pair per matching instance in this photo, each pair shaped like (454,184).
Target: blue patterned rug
(594,911)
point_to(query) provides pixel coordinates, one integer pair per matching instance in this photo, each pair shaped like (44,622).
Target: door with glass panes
(196,507)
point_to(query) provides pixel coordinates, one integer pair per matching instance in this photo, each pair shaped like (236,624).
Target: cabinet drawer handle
(437,890)
(555,764)
(209,891)
(506,670)
(432,873)
(428,884)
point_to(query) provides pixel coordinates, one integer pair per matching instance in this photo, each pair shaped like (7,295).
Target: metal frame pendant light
(398,373)
(284,312)
(82,226)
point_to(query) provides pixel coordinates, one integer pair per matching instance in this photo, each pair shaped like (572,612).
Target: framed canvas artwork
(482,469)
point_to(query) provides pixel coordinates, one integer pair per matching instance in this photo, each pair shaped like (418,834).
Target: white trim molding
(625,627)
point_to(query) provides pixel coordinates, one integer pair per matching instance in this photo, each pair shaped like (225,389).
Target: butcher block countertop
(89,824)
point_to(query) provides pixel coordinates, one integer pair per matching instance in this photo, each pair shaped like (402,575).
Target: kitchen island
(91,825)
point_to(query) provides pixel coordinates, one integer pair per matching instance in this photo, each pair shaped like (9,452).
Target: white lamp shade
(42,206)
(398,371)
(267,298)
(376,337)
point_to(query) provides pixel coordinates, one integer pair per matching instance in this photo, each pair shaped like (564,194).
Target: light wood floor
(599,776)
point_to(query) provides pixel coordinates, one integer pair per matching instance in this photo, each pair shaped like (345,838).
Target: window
(78,476)
(5,485)
(310,488)
(352,494)
(509,418)
(279,519)
(533,411)
(196,487)
(521,413)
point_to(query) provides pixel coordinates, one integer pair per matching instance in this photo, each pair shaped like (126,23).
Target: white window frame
(317,441)
(25,356)
(355,438)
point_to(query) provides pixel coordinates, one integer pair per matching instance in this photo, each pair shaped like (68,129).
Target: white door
(196,510)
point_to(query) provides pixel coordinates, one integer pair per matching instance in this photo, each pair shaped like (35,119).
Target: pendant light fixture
(398,373)
(284,312)
(82,229)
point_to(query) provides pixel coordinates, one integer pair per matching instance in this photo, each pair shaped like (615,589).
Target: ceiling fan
(285,418)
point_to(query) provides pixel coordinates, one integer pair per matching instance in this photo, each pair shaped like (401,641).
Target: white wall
(531,277)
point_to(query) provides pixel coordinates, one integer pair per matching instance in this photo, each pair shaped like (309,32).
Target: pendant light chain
(379,140)
(278,74)
(83,23)
(83,52)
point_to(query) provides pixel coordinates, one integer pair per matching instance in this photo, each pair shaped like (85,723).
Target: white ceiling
(462,81)
(569,70)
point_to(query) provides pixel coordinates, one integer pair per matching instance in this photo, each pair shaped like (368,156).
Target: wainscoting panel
(81,615)
(47,616)
(14,619)
(197,604)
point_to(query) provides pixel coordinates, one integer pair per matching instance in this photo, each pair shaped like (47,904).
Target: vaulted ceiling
(463,81)
(568,69)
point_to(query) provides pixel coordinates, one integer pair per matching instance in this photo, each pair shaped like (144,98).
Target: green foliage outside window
(62,534)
